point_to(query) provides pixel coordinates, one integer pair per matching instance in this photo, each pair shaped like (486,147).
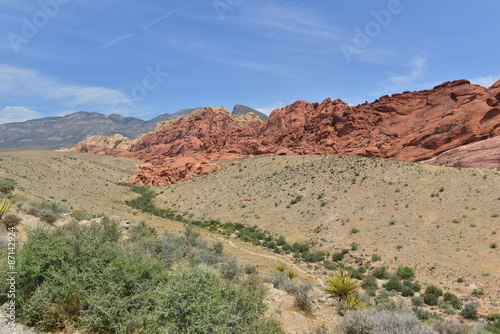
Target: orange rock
(411,126)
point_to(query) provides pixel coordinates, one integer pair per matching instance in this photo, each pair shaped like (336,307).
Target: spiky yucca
(5,206)
(341,286)
(281,266)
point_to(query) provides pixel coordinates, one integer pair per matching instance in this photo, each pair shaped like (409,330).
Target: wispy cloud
(289,22)
(417,66)
(486,81)
(15,81)
(163,17)
(116,40)
(17,114)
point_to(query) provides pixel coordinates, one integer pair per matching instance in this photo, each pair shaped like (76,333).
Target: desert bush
(279,280)
(470,311)
(266,325)
(198,301)
(7,186)
(417,301)
(85,278)
(406,272)
(422,314)
(453,300)
(394,284)
(381,273)
(327,264)
(434,290)
(406,291)
(431,299)
(495,326)
(370,322)
(337,257)
(302,299)
(451,327)
(316,256)
(250,269)
(370,285)
(413,285)
(11,221)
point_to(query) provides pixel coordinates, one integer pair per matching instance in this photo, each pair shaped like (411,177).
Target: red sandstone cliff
(411,126)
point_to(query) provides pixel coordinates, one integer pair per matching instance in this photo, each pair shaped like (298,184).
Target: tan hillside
(445,218)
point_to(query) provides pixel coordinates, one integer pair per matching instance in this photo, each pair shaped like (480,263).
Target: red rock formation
(485,153)
(411,126)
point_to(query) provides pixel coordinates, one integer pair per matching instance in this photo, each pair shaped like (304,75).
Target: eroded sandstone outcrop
(411,126)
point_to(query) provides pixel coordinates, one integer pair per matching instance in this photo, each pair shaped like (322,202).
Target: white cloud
(17,114)
(270,108)
(417,69)
(116,40)
(486,81)
(15,81)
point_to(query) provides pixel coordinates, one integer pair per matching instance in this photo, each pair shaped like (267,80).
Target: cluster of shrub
(253,234)
(89,279)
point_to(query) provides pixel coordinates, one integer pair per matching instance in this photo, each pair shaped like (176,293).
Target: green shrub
(376,257)
(381,273)
(431,299)
(394,284)
(422,314)
(406,291)
(413,285)
(470,311)
(85,278)
(453,300)
(406,272)
(296,200)
(370,285)
(337,257)
(316,256)
(327,264)
(433,290)
(417,301)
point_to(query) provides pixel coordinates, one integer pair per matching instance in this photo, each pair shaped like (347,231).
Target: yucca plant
(281,266)
(341,286)
(291,273)
(5,206)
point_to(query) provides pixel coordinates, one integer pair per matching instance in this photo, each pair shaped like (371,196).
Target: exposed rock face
(411,126)
(485,153)
(115,142)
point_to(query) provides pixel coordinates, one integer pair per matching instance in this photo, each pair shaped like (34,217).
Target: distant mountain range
(51,133)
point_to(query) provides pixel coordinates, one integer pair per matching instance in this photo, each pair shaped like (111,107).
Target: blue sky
(145,58)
